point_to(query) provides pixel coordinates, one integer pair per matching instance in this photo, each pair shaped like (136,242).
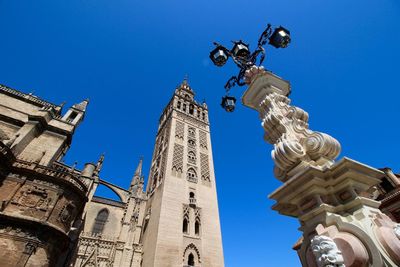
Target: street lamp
(244,59)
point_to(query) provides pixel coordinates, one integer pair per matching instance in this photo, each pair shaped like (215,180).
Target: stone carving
(396,230)
(67,213)
(286,127)
(33,197)
(326,252)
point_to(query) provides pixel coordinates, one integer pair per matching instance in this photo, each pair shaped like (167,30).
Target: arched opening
(197,227)
(190,259)
(185,228)
(191,195)
(191,157)
(191,109)
(100,222)
(191,175)
(179,105)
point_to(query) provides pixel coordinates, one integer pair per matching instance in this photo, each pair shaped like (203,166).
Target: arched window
(197,227)
(178,105)
(191,195)
(191,175)
(190,259)
(192,131)
(191,109)
(192,157)
(184,107)
(100,221)
(191,142)
(185,228)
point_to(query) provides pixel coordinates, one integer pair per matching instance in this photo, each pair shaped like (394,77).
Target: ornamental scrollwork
(286,127)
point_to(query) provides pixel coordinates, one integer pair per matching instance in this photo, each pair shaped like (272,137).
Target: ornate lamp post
(341,223)
(244,59)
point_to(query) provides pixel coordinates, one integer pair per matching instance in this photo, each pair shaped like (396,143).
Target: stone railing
(192,201)
(29,97)
(65,174)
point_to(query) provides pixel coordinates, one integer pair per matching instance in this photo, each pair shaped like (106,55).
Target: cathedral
(51,216)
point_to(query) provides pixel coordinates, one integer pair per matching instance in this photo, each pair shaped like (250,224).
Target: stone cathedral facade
(50,215)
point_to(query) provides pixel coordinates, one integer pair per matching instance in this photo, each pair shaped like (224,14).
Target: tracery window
(191,157)
(100,221)
(191,175)
(192,131)
(191,142)
(185,227)
(197,227)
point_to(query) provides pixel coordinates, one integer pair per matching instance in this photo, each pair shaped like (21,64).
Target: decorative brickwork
(205,167)
(177,162)
(179,129)
(203,139)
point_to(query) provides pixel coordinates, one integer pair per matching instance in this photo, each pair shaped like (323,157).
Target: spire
(184,89)
(82,106)
(137,177)
(99,163)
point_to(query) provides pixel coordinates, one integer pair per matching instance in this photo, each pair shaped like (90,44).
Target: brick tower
(181,225)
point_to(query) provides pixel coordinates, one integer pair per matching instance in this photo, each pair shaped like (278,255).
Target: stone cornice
(26,97)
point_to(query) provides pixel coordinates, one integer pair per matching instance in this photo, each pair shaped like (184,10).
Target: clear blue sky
(127,56)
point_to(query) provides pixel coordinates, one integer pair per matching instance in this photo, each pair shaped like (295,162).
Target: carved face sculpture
(326,252)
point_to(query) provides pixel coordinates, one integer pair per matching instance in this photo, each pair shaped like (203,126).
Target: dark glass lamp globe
(280,38)
(228,103)
(219,56)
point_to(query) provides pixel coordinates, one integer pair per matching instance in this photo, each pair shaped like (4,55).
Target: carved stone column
(341,226)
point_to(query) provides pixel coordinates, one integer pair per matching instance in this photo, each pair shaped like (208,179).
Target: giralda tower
(181,226)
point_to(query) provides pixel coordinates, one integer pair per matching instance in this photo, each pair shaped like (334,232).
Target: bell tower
(181,225)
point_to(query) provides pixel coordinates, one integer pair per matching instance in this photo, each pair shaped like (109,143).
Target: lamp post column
(341,225)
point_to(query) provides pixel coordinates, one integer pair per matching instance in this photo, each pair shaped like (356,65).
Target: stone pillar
(341,225)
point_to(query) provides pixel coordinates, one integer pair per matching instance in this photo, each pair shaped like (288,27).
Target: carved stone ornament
(326,252)
(286,127)
(396,229)
(34,197)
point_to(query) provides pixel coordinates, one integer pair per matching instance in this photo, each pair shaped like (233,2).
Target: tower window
(192,132)
(191,109)
(191,157)
(203,115)
(184,107)
(190,259)
(197,227)
(191,175)
(191,142)
(185,228)
(100,221)
(178,105)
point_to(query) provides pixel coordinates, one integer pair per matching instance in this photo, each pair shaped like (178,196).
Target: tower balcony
(192,201)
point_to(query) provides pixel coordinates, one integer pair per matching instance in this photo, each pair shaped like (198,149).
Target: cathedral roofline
(26,97)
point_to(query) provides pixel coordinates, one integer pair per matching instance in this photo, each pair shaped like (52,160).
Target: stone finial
(82,105)
(326,252)
(286,126)
(99,163)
